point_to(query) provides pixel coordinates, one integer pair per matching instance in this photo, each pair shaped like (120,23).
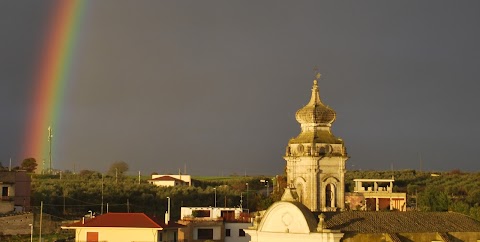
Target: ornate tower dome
(316,158)
(315,112)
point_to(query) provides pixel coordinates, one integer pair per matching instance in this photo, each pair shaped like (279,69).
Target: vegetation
(75,194)
(29,164)
(118,168)
(455,190)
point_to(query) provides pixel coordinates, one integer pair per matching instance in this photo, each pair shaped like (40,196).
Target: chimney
(167,217)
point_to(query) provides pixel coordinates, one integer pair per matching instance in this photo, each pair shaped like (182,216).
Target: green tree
(433,199)
(119,167)
(29,164)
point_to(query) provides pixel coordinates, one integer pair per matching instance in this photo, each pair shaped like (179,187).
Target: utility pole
(50,138)
(101,210)
(116,175)
(247,197)
(215,189)
(241,201)
(168,211)
(41,218)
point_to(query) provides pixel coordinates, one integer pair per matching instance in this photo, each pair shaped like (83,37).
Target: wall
(118,234)
(234,227)
(16,224)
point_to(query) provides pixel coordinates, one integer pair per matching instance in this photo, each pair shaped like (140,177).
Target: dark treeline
(73,195)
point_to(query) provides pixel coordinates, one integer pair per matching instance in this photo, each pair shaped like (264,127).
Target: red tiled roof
(401,222)
(130,220)
(166,178)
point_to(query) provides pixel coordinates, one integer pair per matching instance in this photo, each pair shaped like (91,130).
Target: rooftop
(400,222)
(125,220)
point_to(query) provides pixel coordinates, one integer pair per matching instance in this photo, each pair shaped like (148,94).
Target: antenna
(50,137)
(421,161)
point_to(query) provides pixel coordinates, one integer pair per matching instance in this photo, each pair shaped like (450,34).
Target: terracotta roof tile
(401,222)
(130,220)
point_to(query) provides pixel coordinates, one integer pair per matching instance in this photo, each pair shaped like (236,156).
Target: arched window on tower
(299,189)
(330,195)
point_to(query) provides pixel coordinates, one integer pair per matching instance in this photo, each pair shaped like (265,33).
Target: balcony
(6,198)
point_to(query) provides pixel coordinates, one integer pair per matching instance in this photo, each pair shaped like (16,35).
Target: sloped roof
(166,178)
(400,222)
(123,220)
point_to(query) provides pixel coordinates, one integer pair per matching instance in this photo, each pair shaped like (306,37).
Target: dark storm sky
(215,84)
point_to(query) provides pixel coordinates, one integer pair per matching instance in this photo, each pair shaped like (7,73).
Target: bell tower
(316,158)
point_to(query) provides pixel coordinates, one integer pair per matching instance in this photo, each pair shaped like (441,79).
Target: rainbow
(54,70)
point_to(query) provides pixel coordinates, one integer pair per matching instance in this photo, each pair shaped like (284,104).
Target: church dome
(315,111)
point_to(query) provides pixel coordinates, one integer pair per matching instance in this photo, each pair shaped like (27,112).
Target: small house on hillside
(124,227)
(170,180)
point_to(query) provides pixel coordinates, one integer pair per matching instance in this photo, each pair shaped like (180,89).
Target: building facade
(213,223)
(316,158)
(124,227)
(375,195)
(170,180)
(15,191)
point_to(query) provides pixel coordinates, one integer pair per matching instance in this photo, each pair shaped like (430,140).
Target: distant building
(124,227)
(15,191)
(171,180)
(375,197)
(218,224)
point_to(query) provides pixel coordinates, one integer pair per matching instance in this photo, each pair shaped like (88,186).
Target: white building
(214,223)
(171,180)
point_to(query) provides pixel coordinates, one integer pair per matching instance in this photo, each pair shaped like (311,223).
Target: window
(241,233)
(205,234)
(92,236)
(4,191)
(201,213)
(227,233)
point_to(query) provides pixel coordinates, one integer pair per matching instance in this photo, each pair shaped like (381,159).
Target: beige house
(124,227)
(170,180)
(375,195)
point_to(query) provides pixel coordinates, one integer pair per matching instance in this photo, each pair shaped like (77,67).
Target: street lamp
(247,196)
(168,213)
(31,232)
(91,214)
(267,186)
(215,189)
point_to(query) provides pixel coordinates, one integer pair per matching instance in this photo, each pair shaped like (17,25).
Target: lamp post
(266,182)
(215,189)
(91,214)
(168,216)
(31,232)
(247,197)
